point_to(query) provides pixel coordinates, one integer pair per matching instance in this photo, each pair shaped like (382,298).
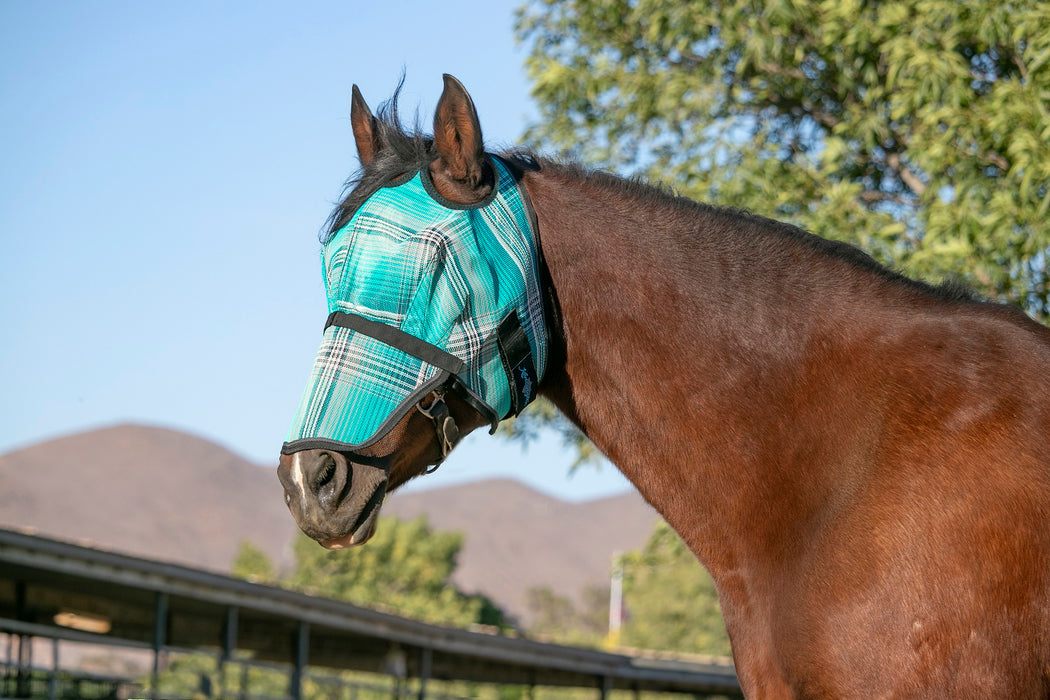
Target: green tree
(542,414)
(405,568)
(918,129)
(251,563)
(670,600)
(556,618)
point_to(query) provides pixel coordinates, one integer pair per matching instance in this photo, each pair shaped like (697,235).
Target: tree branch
(1022,69)
(783,71)
(805,107)
(876,197)
(914,183)
(997,160)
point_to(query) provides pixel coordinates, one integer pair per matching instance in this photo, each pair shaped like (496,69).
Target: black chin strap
(444,425)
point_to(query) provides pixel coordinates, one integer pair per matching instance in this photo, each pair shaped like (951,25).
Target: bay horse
(861,460)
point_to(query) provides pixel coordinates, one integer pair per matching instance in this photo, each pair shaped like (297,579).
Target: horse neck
(692,352)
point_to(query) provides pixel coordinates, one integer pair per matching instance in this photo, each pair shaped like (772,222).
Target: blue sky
(164,171)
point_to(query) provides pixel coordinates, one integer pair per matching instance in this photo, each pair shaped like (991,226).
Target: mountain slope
(168,495)
(146,491)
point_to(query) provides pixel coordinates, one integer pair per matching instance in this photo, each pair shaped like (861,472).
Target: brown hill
(146,491)
(168,495)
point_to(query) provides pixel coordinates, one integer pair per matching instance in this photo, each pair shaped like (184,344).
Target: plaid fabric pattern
(444,274)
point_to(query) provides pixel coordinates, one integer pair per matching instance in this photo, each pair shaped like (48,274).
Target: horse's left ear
(457,135)
(366,130)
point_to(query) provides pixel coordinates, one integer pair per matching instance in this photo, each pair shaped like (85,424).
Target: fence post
(52,683)
(229,644)
(426,660)
(160,629)
(302,650)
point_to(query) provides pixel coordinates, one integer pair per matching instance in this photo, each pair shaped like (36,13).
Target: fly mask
(424,295)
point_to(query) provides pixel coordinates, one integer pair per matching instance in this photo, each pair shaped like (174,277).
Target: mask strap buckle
(445,427)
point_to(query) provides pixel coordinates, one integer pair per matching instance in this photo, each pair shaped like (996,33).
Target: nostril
(332,481)
(326,473)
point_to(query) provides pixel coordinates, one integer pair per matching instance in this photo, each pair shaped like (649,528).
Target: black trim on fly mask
(428,185)
(516,354)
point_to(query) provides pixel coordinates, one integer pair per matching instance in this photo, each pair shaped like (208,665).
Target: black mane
(662,196)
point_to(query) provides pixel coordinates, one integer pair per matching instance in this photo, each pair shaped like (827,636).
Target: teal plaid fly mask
(424,293)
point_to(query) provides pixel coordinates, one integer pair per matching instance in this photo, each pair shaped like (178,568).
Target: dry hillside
(168,495)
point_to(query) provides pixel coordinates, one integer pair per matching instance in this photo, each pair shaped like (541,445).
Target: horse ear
(457,134)
(366,131)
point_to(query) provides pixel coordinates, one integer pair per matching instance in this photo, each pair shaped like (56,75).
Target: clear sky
(165,168)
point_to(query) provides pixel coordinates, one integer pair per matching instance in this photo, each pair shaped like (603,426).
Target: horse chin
(358,537)
(357,524)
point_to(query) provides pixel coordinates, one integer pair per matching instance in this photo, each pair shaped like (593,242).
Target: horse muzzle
(334,498)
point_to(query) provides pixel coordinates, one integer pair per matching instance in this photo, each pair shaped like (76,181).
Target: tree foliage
(670,600)
(406,568)
(919,129)
(251,563)
(541,414)
(558,619)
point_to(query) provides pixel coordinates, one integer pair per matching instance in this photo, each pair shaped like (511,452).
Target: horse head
(435,329)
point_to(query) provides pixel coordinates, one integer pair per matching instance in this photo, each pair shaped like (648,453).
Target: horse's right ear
(366,130)
(457,134)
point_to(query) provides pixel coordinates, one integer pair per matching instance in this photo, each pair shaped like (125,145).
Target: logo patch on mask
(524,373)
(516,355)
